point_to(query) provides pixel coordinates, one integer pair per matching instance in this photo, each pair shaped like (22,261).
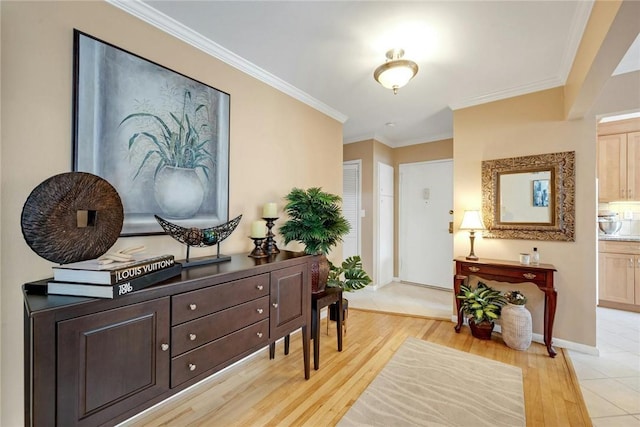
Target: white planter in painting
(515,322)
(179,192)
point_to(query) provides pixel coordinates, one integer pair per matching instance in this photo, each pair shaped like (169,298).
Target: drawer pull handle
(164,347)
(275,305)
(192,367)
(192,337)
(259,334)
(474,269)
(259,287)
(529,276)
(259,311)
(192,307)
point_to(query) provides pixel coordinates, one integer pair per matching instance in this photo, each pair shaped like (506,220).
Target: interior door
(351,207)
(426,244)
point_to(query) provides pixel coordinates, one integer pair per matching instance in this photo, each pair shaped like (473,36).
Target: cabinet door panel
(110,362)
(290,299)
(616,282)
(612,174)
(633,166)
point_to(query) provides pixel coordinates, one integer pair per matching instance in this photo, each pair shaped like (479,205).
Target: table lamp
(472,221)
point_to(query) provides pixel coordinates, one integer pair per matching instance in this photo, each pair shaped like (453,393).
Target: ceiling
(324,53)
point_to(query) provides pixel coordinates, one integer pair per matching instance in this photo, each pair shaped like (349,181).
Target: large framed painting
(159,137)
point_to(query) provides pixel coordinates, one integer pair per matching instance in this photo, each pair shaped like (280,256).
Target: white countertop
(619,237)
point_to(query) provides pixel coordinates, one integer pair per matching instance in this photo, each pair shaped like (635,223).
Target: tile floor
(610,382)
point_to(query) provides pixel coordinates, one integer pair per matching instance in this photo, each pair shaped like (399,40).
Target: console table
(95,362)
(512,272)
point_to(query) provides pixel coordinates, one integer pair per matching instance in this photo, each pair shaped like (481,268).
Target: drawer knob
(260,310)
(259,287)
(192,337)
(474,269)
(192,307)
(275,305)
(529,276)
(192,367)
(164,346)
(259,334)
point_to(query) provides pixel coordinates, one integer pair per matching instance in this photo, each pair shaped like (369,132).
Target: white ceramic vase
(516,326)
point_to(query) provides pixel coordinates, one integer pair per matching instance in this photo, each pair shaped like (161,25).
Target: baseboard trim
(557,342)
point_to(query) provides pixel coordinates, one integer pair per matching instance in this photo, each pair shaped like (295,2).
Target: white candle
(258,229)
(270,210)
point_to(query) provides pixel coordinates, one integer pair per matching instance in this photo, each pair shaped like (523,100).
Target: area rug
(426,384)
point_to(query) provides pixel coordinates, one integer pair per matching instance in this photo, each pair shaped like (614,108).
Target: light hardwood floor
(263,392)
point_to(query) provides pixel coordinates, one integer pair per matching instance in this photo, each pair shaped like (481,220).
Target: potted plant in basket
(516,321)
(482,306)
(316,221)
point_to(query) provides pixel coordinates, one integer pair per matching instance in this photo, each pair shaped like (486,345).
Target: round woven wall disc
(71,217)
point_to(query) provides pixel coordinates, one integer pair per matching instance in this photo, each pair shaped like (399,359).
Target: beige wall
(527,125)
(276,141)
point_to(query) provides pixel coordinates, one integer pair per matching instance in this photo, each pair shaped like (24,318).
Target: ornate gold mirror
(530,197)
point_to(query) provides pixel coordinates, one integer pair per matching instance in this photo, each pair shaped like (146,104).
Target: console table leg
(315,336)
(457,281)
(550,300)
(286,344)
(272,350)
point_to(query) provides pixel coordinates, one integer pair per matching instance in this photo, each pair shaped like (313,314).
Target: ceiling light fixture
(396,72)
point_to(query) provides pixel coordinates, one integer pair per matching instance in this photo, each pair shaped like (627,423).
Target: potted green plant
(316,221)
(349,276)
(482,307)
(176,148)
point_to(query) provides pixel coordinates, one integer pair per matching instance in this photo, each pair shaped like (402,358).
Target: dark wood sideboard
(100,361)
(512,272)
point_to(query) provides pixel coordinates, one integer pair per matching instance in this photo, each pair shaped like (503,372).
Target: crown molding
(170,26)
(580,18)
(578,25)
(509,93)
(425,140)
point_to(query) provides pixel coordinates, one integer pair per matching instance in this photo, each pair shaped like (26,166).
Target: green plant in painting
(349,276)
(315,220)
(178,143)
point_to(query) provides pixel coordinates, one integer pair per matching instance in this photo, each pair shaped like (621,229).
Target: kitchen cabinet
(619,161)
(619,275)
(92,362)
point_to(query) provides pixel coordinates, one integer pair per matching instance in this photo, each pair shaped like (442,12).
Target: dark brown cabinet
(98,362)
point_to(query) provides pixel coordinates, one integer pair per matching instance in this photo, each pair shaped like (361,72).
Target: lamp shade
(472,220)
(396,72)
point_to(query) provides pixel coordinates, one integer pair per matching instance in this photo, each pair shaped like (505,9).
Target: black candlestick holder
(270,244)
(258,251)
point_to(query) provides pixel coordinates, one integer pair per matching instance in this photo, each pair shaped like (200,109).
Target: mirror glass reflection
(525,197)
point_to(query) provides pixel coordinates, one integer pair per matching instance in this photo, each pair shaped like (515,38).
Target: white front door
(426,200)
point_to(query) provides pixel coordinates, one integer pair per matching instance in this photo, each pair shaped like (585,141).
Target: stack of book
(93,279)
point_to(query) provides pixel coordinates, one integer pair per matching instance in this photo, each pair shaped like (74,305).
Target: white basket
(516,326)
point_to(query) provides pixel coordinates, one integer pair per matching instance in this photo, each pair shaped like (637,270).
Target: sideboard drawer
(208,356)
(191,305)
(195,333)
(537,277)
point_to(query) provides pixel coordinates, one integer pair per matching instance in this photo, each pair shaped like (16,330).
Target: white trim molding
(170,26)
